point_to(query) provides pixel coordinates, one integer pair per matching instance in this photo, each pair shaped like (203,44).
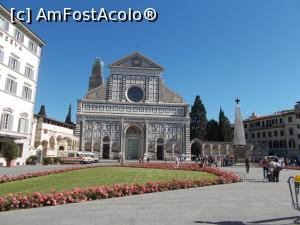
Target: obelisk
(239,140)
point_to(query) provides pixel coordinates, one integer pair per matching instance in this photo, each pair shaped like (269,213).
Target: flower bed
(32,200)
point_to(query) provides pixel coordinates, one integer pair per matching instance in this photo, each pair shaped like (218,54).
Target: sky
(218,49)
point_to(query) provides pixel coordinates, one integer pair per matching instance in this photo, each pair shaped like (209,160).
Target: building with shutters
(134,114)
(20,52)
(279,132)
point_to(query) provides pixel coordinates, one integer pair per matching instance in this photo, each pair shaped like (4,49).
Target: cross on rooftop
(237,100)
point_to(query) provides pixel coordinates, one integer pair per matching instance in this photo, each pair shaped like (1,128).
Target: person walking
(277,168)
(264,163)
(177,162)
(247,163)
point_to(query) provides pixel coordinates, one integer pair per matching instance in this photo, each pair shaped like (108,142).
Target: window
(23,125)
(264,134)
(258,135)
(291,131)
(26,92)
(275,133)
(246,135)
(1,55)
(290,119)
(14,63)
(32,47)
(135,94)
(269,134)
(19,36)
(280,120)
(11,86)
(270,144)
(28,72)
(263,123)
(253,135)
(298,135)
(6,121)
(282,133)
(298,126)
(245,125)
(292,143)
(4,24)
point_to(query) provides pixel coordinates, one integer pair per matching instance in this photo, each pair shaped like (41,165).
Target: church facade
(134,114)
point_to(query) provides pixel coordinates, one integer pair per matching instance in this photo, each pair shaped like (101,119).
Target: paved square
(252,202)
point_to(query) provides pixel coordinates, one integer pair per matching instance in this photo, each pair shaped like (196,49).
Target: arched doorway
(195,150)
(61,148)
(160,149)
(105,152)
(133,143)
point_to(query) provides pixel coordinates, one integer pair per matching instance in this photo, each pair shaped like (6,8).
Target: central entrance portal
(133,143)
(133,148)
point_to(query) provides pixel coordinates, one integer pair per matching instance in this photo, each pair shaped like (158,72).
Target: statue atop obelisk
(239,140)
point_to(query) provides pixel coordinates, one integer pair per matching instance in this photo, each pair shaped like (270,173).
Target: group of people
(272,167)
(215,161)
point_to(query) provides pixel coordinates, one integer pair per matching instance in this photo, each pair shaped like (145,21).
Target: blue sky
(215,48)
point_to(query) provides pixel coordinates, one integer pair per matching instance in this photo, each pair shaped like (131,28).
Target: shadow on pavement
(256,180)
(295,218)
(265,222)
(222,222)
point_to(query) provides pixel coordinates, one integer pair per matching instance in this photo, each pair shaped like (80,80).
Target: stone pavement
(252,202)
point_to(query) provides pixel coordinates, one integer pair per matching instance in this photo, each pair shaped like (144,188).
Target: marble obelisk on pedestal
(239,141)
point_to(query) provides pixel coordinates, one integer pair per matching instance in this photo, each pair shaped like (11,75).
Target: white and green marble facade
(110,124)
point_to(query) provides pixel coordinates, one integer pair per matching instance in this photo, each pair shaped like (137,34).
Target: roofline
(136,53)
(270,116)
(45,117)
(21,26)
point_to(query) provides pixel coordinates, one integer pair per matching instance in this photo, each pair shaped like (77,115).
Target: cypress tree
(225,130)
(198,119)
(42,111)
(212,131)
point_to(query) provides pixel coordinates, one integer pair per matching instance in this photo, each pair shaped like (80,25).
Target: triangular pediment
(136,60)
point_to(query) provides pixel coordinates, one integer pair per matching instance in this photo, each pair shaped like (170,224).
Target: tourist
(148,159)
(275,164)
(264,163)
(177,162)
(247,163)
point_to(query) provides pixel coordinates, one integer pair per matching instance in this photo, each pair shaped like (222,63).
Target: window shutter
(10,122)
(2,121)
(18,65)
(14,87)
(7,84)
(20,125)
(29,93)
(1,55)
(10,62)
(26,126)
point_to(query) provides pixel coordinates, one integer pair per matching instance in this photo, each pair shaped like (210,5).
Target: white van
(73,157)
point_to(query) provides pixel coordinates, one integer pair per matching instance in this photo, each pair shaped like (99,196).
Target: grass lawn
(97,176)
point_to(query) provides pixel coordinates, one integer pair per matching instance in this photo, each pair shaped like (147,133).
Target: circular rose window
(135,94)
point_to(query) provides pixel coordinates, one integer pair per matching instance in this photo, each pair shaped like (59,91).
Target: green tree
(69,116)
(10,152)
(212,131)
(198,119)
(42,111)
(225,130)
